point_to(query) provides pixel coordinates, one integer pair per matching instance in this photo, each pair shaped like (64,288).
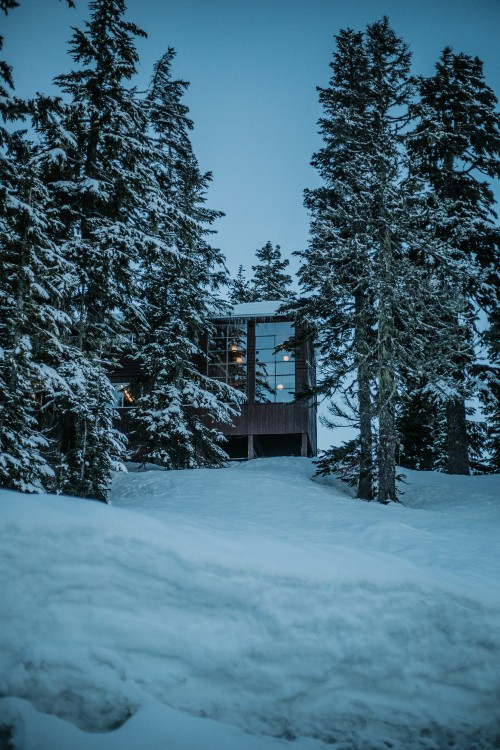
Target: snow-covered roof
(256,309)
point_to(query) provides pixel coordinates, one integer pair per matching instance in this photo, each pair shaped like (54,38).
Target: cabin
(245,351)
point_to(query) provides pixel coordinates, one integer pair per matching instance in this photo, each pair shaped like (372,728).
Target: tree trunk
(365,484)
(387,439)
(386,378)
(458,453)
(365,480)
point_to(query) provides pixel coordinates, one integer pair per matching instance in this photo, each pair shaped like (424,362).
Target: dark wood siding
(269,419)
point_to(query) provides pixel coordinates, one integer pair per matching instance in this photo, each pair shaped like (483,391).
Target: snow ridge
(249,599)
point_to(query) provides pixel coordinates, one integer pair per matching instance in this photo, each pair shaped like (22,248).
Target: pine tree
(180,409)
(93,169)
(240,289)
(376,292)
(32,324)
(32,284)
(339,305)
(490,393)
(421,428)
(270,282)
(455,145)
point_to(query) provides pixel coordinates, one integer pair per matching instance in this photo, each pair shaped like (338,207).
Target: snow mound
(246,607)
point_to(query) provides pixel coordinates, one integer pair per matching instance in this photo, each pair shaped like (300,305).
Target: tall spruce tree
(33,326)
(180,409)
(335,270)
(94,147)
(32,284)
(490,394)
(456,147)
(270,282)
(370,270)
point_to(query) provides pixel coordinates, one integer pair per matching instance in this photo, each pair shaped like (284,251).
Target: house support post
(250,447)
(303,447)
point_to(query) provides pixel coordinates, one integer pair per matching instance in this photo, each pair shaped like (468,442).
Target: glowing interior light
(128,398)
(286,357)
(239,359)
(280,386)
(234,348)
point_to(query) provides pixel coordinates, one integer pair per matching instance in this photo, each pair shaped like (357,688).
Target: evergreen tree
(335,271)
(32,325)
(180,407)
(88,445)
(421,428)
(375,287)
(240,289)
(270,282)
(355,258)
(490,392)
(32,284)
(93,168)
(455,146)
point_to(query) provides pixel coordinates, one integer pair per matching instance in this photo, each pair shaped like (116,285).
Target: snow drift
(248,607)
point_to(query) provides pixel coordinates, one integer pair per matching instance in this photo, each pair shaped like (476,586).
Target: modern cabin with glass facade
(247,351)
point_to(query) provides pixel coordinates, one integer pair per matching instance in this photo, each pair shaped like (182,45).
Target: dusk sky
(253,69)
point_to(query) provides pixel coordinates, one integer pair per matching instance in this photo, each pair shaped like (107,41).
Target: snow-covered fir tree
(373,291)
(180,407)
(455,146)
(240,289)
(95,177)
(336,262)
(31,286)
(32,323)
(270,281)
(491,393)
(421,427)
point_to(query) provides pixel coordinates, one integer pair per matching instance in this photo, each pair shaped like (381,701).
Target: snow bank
(256,309)
(247,606)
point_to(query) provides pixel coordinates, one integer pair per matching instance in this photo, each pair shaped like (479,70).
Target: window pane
(217,345)
(283,332)
(237,377)
(227,355)
(264,357)
(123,396)
(285,386)
(285,368)
(236,370)
(118,399)
(217,357)
(236,355)
(264,342)
(288,381)
(264,393)
(264,370)
(265,329)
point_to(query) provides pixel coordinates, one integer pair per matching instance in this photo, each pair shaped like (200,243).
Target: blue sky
(253,69)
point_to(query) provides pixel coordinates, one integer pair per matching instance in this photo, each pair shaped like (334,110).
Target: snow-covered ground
(250,608)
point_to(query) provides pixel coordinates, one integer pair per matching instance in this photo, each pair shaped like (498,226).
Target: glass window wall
(227,354)
(274,370)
